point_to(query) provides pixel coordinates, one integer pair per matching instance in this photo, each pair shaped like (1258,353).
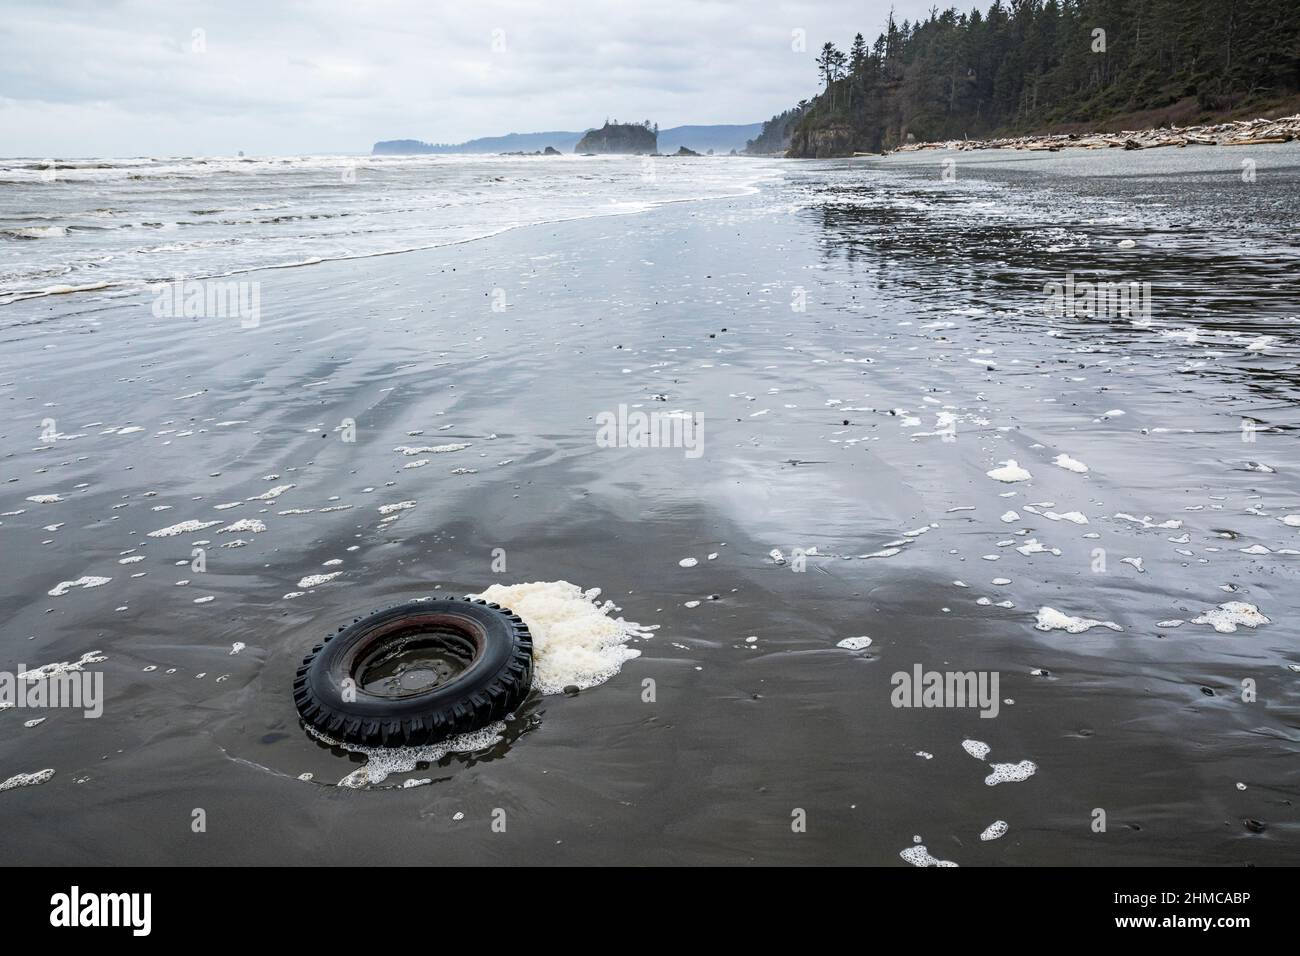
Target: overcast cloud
(166,77)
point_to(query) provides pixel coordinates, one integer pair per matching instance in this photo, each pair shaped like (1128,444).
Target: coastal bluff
(619,138)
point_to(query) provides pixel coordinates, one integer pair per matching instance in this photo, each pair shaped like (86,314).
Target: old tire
(406,687)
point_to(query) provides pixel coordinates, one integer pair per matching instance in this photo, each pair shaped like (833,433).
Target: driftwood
(1239,133)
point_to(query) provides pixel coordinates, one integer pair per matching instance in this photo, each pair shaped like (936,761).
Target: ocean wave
(236,215)
(60,289)
(35,232)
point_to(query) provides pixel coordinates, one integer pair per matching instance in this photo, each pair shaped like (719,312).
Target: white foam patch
(996,829)
(1226,617)
(1173,524)
(575,640)
(85,581)
(1010,471)
(1076,517)
(919,856)
(273,493)
(63,667)
(1034,546)
(27,779)
(1050,619)
(976,748)
(411,451)
(854,643)
(251,525)
(315,580)
(1011,772)
(383,761)
(887,553)
(1070,464)
(185,527)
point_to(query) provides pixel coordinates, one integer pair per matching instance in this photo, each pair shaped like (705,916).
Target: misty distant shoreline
(720,138)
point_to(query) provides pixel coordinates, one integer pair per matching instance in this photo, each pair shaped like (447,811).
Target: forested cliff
(1034,65)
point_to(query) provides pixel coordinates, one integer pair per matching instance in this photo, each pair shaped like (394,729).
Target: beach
(860,343)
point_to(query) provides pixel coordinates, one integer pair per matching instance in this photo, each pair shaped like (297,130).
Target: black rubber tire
(495,682)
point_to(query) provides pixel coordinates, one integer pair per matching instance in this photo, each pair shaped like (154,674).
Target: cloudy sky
(171,77)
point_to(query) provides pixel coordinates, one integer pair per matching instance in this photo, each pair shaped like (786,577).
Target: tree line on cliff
(1031,65)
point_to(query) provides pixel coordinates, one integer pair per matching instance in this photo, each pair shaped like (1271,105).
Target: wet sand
(819,432)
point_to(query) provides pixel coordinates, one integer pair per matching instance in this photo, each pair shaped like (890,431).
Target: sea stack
(619,138)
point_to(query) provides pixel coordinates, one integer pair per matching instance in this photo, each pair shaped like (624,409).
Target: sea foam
(575,640)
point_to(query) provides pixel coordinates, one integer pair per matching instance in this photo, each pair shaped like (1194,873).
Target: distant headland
(721,138)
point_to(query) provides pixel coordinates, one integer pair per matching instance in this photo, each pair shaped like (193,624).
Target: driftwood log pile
(1239,133)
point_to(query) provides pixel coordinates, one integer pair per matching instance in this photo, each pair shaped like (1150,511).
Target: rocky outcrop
(683,151)
(550,151)
(822,142)
(618,138)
